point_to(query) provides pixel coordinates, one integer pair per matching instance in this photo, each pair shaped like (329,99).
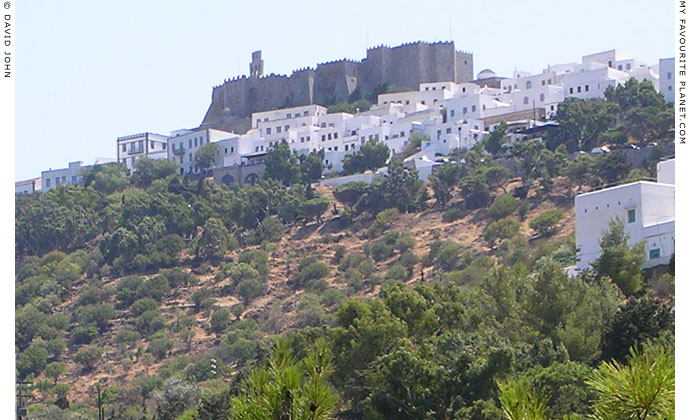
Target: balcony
(178,151)
(135,151)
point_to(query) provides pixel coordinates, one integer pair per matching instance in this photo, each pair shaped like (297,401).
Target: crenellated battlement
(238,97)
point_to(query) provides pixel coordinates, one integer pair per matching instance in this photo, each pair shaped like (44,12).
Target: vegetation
(197,301)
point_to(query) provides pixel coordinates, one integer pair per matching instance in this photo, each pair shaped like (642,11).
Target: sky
(89,72)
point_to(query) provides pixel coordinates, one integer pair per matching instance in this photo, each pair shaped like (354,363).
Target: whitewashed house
(646,208)
(667,78)
(27,186)
(135,146)
(71,175)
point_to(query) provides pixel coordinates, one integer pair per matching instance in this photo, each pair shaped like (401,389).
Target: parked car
(600,150)
(632,146)
(652,144)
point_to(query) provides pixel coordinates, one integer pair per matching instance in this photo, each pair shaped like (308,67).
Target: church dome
(486,74)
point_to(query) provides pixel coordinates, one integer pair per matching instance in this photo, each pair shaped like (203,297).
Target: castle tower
(256,67)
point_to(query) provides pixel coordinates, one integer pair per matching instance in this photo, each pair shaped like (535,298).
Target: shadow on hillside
(305,231)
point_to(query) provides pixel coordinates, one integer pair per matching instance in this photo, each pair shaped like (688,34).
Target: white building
(27,186)
(133,147)
(646,208)
(71,175)
(183,145)
(666,171)
(667,78)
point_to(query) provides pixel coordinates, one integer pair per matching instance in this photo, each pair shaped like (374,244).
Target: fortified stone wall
(404,66)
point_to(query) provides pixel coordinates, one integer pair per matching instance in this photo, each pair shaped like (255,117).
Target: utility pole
(101,413)
(21,396)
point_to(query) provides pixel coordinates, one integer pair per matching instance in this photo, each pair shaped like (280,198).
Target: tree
(371,156)
(286,388)
(644,389)
(174,397)
(503,206)
(496,139)
(107,178)
(148,170)
(207,157)
(311,166)
(55,370)
(314,208)
(501,229)
(351,193)
(580,122)
(638,321)
(214,239)
(402,188)
(282,164)
(613,167)
(444,181)
(88,356)
(579,170)
(545,223)
(621,264)
(497,176)
(522,401)
(475,191)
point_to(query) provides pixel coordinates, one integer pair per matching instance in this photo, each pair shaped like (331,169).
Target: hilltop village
(422,90)
(394,237)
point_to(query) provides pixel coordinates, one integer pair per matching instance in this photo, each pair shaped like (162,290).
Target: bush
(83,335)
(523,209)
(87,357)
(501,229)
(141,306)
(339,253)
(127,335)
(503,206)
(220,320)
(451,215)
(249,289)
(149,322)
(397,272)
(309,270)
(546,222)
(160,347)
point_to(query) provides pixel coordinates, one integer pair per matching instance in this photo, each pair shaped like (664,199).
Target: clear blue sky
(90,71)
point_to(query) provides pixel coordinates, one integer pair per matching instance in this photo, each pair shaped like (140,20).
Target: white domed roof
(485,74)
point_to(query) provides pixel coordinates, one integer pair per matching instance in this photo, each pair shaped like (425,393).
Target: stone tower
(256,67)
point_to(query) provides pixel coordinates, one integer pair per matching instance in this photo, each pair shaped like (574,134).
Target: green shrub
(546,222)
(451,215)
(248,290)
(88,356)
(503,206)
(501,229)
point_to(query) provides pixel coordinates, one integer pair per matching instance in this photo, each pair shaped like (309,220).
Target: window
(654,253)
(452,112)
(402,134)
(670,88)
(152,146)
(289,116)
(306,113)
(525,100)
(287,127)
(464,110)
(323,137)
(195,142)
(335,135)
(627,66)
(64,179)
(541,97)
(330,136)
(226,150)
(124,147)
(448,130)
(586,88)
(279,129)
(74,179)
(165,146)
(268,130)
(543,82)
(668,75)
(631,216)
(474,108)
(257,122)
(571,90)
(579,89)
(190,143)
(549,81)
(48,182)
(528,85)
(620,67)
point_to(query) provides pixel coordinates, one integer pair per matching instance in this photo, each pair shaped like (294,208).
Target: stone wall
(405,66)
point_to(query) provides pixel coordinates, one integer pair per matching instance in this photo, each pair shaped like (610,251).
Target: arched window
(525,101)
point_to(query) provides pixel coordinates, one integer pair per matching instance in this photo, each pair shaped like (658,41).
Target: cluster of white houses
(452,116)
